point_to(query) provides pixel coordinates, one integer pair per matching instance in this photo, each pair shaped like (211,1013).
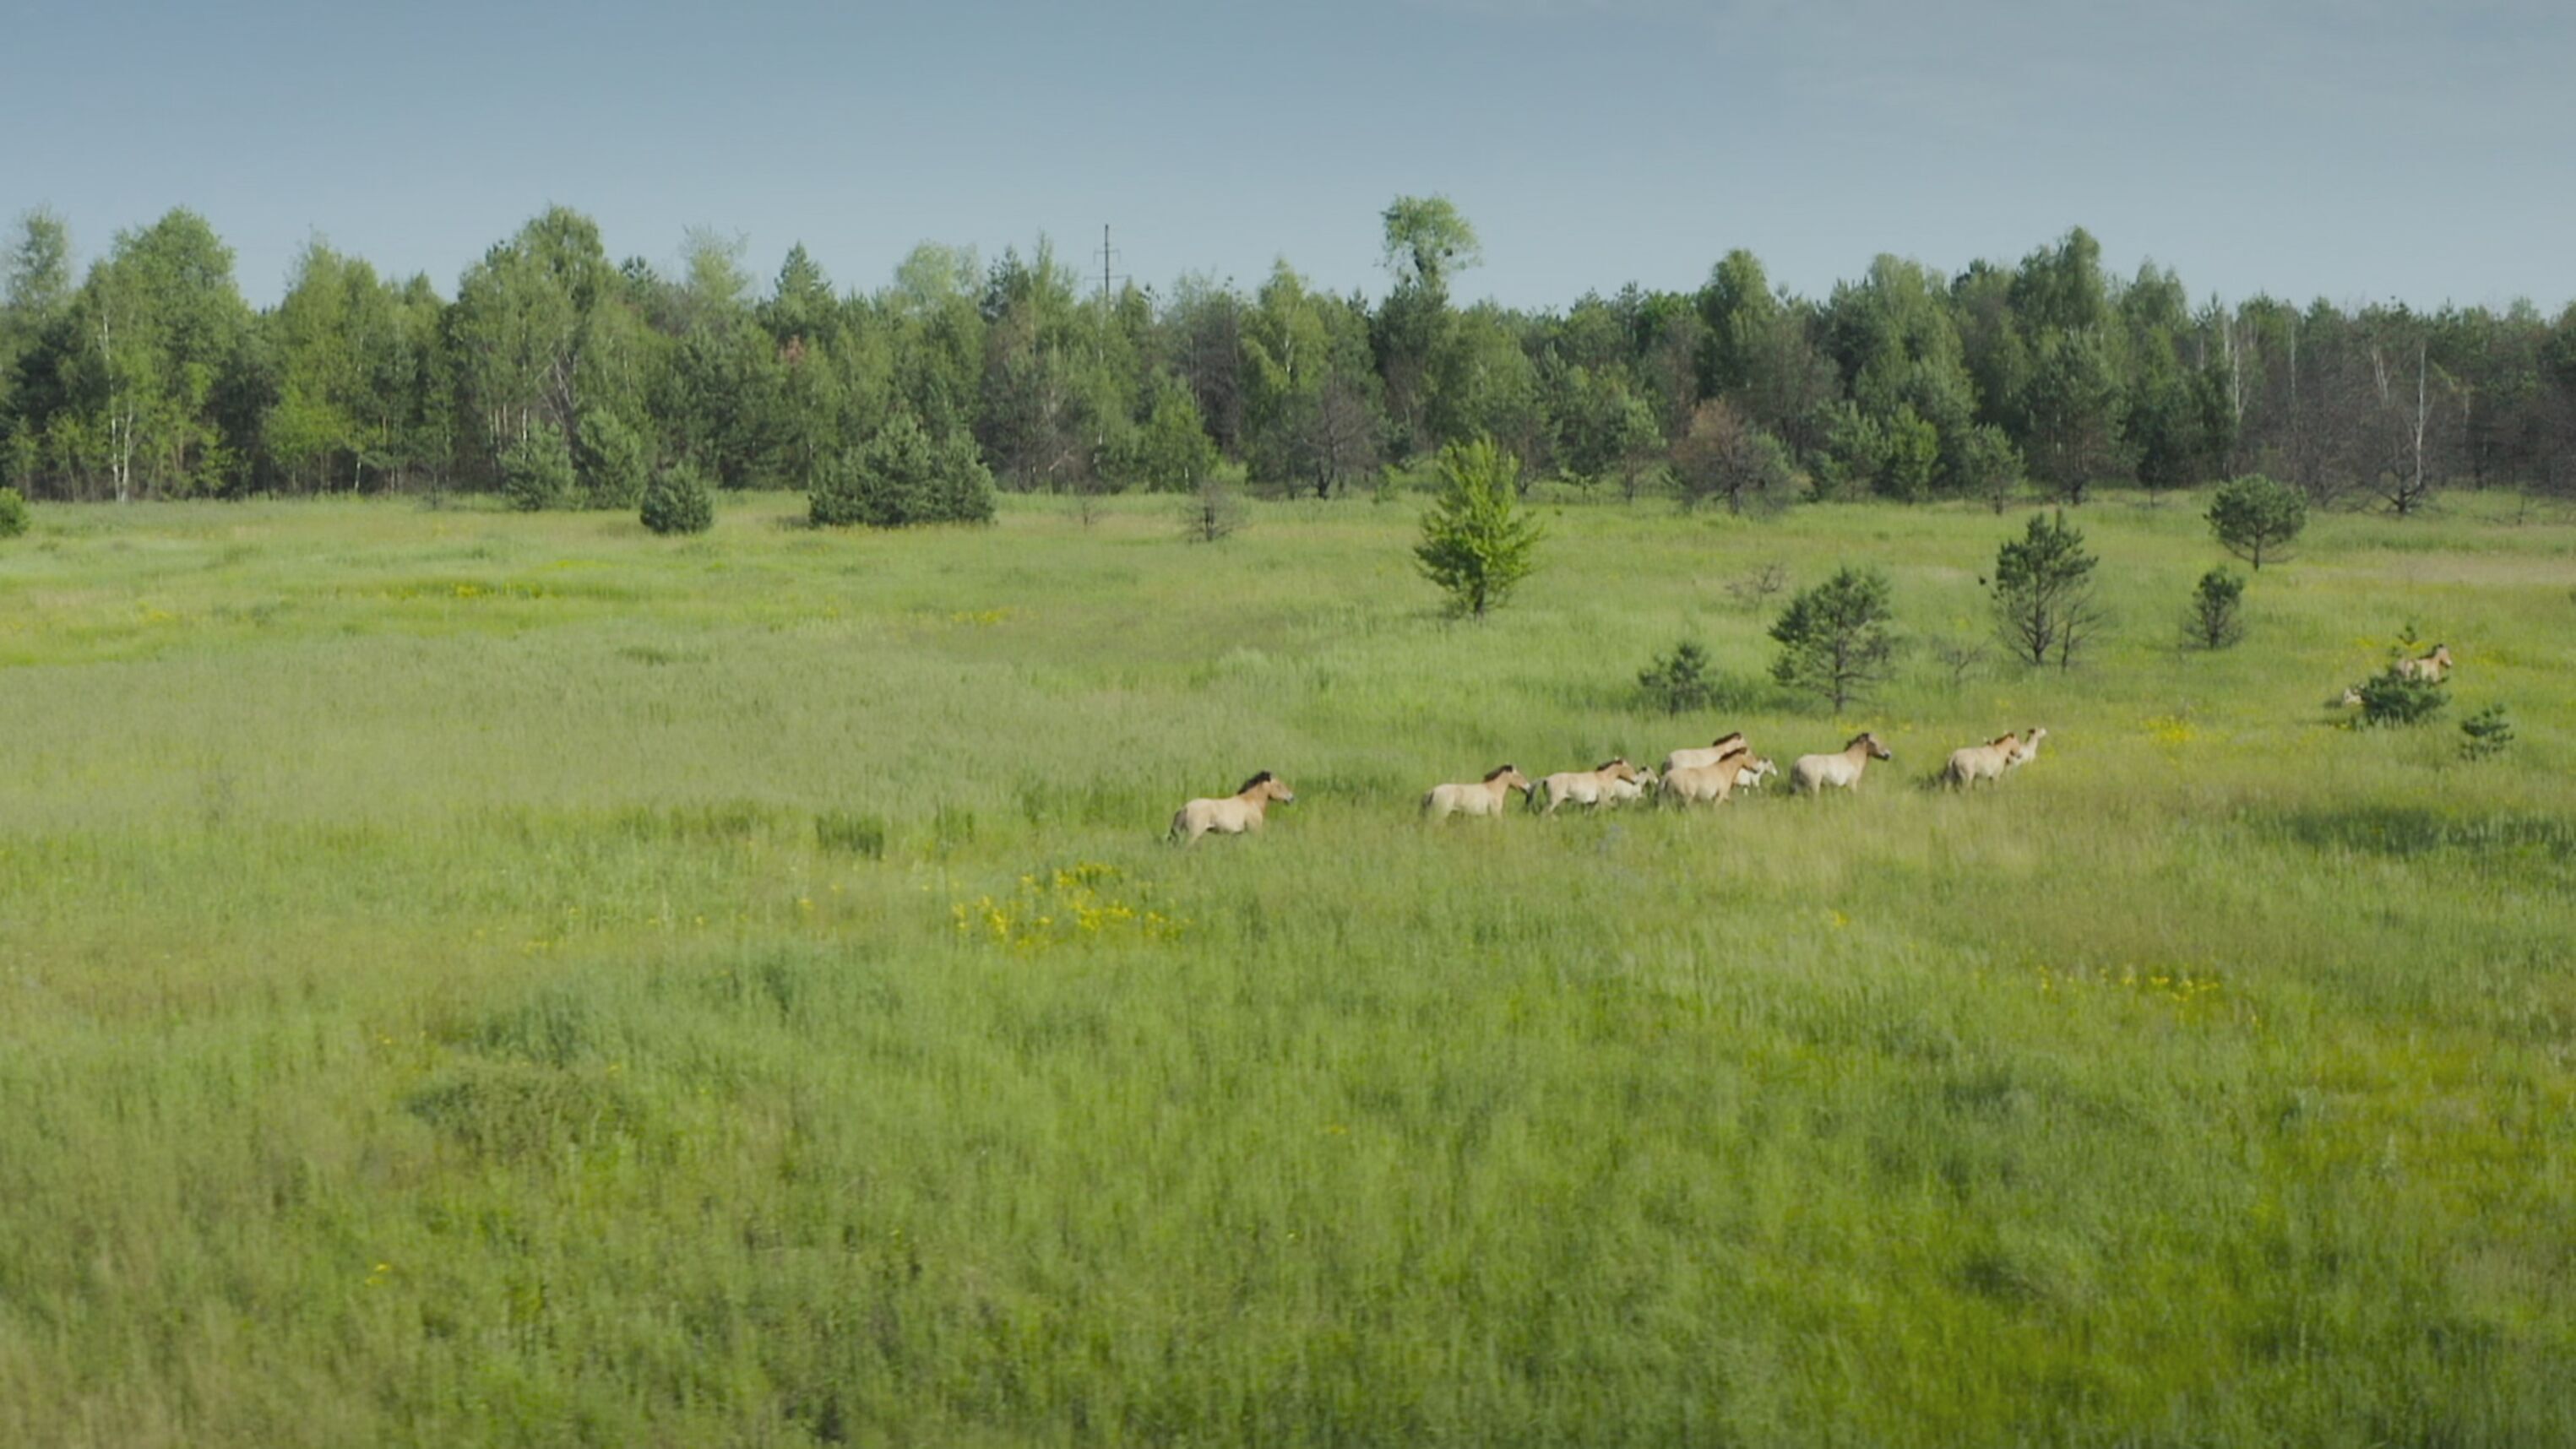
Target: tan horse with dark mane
(1640,786)
(1972,763)
(1993,759)
(1696,784)
(2433,668)
(1232,814)
(1481,797)
(1582,787)
(1718,749)
(1839,770)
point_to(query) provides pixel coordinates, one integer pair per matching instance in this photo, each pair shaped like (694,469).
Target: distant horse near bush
(2433,668)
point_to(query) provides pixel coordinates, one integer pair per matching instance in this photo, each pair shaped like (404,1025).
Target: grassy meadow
(470,978)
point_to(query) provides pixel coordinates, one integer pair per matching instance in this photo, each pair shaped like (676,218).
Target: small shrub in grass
(856,834)
(2392,698)
(13,513)
(2486,734)
(2216,617)
(1215,511)
(679,501)
(1680,682)
(1755,589)
(952,828)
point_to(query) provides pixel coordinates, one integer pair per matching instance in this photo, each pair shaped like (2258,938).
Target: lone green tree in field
(1478,542)
(2215,619)
(1835,640)
(2043,592)
(2257,518)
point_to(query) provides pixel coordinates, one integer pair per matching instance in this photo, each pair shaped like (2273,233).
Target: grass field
(482,979)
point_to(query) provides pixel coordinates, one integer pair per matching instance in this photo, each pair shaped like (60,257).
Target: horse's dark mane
(1498,772)
(1720,742)
(1731,754)
(1606,764)
(1261,779)
(2007,735)
(1856,739)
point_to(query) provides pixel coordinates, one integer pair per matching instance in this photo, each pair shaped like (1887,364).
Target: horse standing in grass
(1718,749)
(1971,763)
(2029,749)
(1482,797)
(1232,815)
(1583,787)
(1840,770)
(2433,668)
(1714,783)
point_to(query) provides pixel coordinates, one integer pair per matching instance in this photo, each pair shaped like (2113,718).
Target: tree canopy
(141,372)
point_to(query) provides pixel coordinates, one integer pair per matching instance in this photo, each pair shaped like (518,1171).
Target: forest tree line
(567,378)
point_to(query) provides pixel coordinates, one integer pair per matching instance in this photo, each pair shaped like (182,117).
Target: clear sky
(2414,150)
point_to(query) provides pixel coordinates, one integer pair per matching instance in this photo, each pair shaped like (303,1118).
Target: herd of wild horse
(1699,776)
(1706,775)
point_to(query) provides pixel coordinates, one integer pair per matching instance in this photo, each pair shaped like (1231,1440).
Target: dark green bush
(2216,617)
(1680,682)
(537,472)
(2486,733)
(13,513)
(679,501)
(615,461)
(2393,698)
(856,834)
(904,476)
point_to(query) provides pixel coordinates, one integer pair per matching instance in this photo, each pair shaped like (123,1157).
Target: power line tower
(1108,255)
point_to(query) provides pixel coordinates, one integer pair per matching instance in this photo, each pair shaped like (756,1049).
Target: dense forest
(565,378)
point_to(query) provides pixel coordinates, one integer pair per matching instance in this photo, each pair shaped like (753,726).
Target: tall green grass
(470,978)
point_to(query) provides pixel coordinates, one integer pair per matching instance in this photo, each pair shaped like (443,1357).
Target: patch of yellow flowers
(2178,986)
(1084,904)
(2170,729)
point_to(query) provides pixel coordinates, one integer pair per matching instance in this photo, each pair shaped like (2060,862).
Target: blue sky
(2354,149)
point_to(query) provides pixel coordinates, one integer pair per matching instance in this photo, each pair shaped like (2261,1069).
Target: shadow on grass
(2405,832)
